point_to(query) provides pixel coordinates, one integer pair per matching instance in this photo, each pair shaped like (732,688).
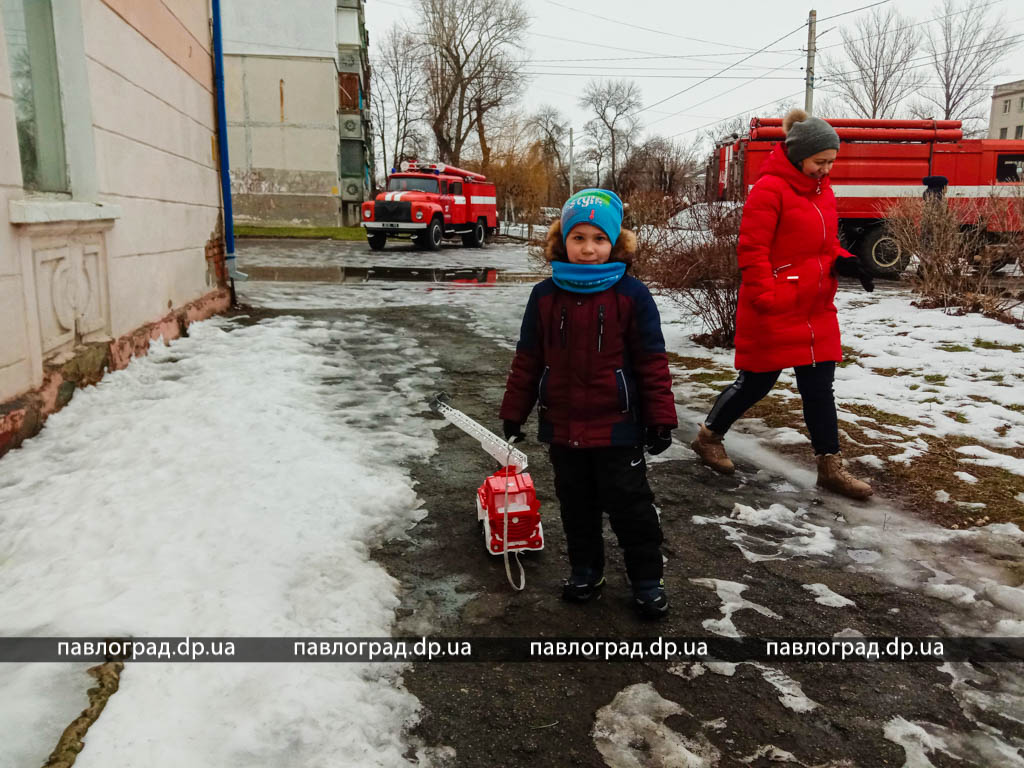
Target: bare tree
(964,49)
(471,50)
(659,168)
(397,86)
(596,148)
(614,103)
(551,128)
(879,76)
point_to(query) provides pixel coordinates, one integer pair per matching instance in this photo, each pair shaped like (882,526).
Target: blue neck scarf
(587,278)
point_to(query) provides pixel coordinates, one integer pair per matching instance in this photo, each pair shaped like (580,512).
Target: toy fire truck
(506,503)
(427,202)
(881,161)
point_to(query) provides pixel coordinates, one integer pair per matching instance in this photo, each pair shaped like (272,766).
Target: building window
(1006,106)
(1020,107)
(1018,132)
(31,52)
(1002,133)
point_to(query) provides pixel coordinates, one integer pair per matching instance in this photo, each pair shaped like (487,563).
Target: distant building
(1007,118)
(296,78)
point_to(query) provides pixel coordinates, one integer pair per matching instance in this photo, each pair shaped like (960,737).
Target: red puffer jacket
(594,364)
(788,244)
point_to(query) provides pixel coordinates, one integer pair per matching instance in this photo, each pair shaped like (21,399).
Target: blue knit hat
(600,207)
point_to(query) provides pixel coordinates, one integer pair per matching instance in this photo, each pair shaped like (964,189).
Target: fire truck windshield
(407,183)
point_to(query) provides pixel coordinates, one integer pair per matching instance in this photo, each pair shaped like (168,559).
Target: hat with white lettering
(600,207)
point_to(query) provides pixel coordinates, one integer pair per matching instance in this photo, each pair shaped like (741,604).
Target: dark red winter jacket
(789,241)
(594,364)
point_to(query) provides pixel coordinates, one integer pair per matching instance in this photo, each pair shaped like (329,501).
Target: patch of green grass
(1015,407)
(982,344)
(688,362)
(914,386)
(997,378)
(956,416)
(931,400)
(935,378)
(954,348)
(319,233)
(709,378)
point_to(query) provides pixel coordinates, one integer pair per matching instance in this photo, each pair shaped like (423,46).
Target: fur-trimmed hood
(554,247)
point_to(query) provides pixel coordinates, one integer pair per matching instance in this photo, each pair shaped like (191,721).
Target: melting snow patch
(773,753)
(965,477)
(786,436)
(872,461)
(952,593)
(942,497)
(987,458)
(826,596)
(631,733)
(864,555)
(793,696)
(729,592)
(803,539)
(920,739)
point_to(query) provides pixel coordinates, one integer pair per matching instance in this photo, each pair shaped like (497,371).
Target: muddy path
(544,714)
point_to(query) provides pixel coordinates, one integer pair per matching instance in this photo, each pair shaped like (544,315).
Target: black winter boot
(650,600)
(582,585)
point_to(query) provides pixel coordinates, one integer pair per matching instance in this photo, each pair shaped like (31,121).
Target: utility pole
(571,164)
(812,21)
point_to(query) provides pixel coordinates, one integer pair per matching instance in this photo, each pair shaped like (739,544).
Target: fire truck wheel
(880,254)
(432,237)
(475,239)
(377,240)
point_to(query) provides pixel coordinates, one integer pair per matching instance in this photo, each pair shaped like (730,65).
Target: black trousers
(592,481)
(814,383)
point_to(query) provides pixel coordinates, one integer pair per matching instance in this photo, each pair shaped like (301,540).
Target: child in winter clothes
(591,356)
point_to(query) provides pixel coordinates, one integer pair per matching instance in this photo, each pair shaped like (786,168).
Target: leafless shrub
(695,265)
(958,255)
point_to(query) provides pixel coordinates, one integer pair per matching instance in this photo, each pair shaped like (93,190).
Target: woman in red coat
(788,253)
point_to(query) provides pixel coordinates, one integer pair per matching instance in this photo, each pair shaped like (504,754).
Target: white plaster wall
(15,365)
(348,27)
(272,27)
(153,130)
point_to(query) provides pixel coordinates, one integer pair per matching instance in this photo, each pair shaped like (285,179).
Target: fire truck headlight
(366,213)
(419,215)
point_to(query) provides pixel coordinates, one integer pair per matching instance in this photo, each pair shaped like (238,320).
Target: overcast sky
(571,41)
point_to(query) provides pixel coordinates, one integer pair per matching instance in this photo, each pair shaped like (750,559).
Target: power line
(667,77)
(620,23)
(718,95)
(730,117)
(720,72)
(855,10)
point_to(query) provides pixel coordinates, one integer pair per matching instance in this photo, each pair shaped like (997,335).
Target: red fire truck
(428,202)
(881,161)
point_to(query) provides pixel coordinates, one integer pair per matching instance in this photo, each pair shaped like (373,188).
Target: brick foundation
(23,417)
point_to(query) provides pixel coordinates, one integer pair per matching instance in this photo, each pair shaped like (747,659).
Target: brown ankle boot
(708,446)
(833,476)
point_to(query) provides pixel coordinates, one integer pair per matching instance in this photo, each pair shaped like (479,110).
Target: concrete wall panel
(127,168)
(292,149)
(112,43)
(122,107)
(234,88)
(310,91)
(171,279)
(238,151)
(14,344)
(271,27)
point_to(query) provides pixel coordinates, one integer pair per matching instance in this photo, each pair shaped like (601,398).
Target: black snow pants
(592,481)
(814,383)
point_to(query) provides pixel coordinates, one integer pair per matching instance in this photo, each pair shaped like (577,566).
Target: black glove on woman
(850,266)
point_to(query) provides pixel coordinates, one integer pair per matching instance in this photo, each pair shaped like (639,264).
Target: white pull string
(504,536)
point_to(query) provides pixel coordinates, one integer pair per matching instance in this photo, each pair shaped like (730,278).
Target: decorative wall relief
(71,289)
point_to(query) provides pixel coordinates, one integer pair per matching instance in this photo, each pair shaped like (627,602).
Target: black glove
(850,266)
(658,439)
(513,431)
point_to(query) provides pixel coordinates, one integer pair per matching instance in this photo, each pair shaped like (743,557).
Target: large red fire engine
(881,161)
(430,201)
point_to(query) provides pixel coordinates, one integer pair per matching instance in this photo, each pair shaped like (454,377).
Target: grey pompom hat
(809,137)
